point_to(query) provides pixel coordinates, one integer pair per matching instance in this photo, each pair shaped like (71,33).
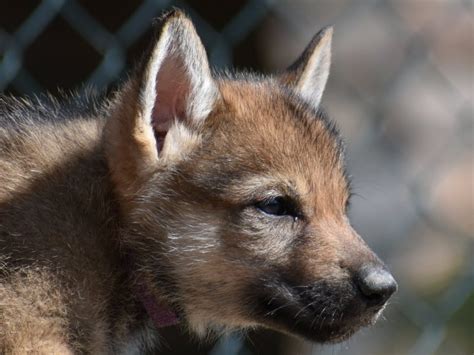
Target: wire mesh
(402,91)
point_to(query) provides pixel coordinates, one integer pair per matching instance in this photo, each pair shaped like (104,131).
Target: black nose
(376,284)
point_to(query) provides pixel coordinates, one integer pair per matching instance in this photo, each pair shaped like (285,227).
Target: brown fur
(90,204)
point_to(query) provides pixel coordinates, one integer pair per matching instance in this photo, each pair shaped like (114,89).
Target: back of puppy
(56,229)
(217,200)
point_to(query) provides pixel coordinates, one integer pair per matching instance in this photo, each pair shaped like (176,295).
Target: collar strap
(159,314)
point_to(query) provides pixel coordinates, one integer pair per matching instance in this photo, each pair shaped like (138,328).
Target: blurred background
(401,90)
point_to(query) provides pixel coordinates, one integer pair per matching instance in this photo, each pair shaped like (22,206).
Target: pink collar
(160,315)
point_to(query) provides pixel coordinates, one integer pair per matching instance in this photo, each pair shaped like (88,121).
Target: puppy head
(233,191)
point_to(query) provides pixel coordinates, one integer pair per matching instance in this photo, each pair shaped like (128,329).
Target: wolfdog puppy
(216,201)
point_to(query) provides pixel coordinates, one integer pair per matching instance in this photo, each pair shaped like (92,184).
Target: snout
(375,284)
(328,309)
(329,295)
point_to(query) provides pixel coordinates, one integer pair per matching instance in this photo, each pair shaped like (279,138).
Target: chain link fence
(401,89)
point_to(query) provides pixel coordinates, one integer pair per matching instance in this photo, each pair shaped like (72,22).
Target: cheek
(201,256)
(213,291)
(260,241)
(265,249)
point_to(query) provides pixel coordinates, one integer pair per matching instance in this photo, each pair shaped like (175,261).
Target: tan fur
(36,321)
(91,205)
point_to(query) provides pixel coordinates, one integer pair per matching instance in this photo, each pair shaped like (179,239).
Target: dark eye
(277,206)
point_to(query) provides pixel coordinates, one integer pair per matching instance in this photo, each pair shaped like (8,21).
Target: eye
(277,206)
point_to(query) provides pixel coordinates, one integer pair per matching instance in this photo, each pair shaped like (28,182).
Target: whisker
(304,308)
(272,312)
(316,318)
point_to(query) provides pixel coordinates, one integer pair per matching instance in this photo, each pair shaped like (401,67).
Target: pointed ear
(309,74)
(157,115)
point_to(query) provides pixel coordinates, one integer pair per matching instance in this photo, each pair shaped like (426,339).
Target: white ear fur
(309,74)
(177,82)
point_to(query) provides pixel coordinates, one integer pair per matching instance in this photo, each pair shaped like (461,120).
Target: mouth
(324,313)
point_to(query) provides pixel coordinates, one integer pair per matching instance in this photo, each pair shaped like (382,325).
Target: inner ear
(177,85)
(171,90)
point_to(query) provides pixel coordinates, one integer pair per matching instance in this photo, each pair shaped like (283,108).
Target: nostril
(376,284)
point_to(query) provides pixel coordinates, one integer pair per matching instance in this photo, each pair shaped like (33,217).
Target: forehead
(264,130)
(277,128)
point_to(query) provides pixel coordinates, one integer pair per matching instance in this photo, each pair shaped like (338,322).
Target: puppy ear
(157,115)
(309,74)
